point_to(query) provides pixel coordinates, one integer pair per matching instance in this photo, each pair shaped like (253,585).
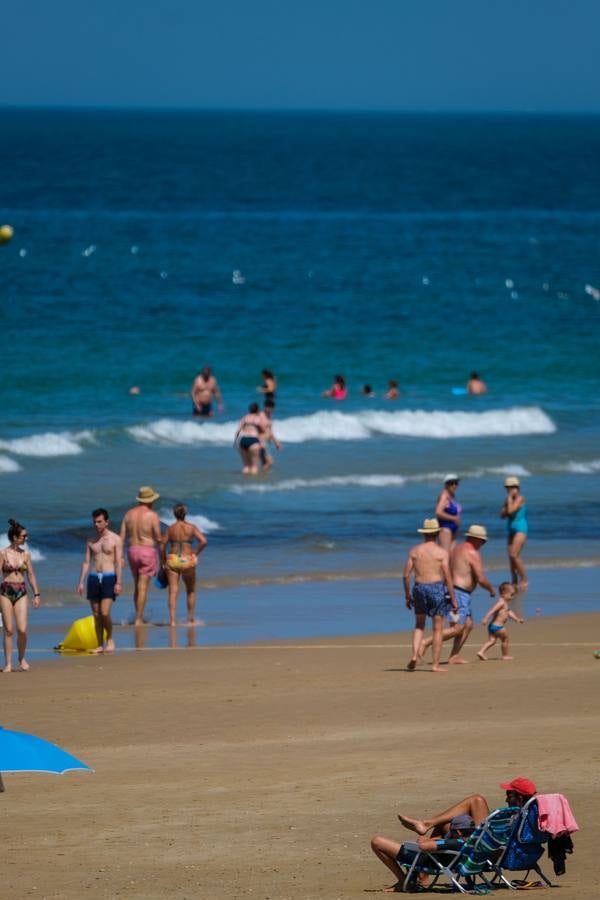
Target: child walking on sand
(497,617)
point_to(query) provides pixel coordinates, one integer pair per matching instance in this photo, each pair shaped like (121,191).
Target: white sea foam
(201,522)
(8,465)
(63,443)
(36,555)
(580,468)
(340,426)
(295,484)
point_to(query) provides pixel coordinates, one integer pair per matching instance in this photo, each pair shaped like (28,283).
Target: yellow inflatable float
(81,637)
(6,233)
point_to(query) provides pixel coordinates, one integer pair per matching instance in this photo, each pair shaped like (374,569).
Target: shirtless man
(103,565)
(475,385)
(141,529)
(430,565)
(467,572)
(204,390)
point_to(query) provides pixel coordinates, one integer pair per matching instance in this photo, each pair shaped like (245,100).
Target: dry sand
(263,771)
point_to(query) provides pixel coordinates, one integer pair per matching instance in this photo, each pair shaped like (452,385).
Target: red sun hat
(521,786)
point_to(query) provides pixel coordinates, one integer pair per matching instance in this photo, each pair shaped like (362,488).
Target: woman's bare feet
(438,669)
(417,825)
(24,665)
(504,658)
(482,656)
(457,661)
(7,669)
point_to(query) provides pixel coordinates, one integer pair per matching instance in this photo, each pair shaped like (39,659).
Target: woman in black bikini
(248,439)
(16,565)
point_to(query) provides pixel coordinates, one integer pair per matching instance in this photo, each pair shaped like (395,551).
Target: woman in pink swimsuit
(338,390)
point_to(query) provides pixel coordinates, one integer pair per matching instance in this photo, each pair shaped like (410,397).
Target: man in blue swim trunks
(103,565)
(467,571)
(430,565)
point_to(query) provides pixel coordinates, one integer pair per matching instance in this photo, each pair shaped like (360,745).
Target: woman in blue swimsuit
(515,512)
(447,512)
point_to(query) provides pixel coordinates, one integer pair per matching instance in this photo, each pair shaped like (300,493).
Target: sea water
(419,248)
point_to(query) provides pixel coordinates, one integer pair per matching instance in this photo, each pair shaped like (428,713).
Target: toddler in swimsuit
(497,618)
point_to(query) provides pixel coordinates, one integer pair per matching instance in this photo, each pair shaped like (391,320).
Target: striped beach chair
(525,848)
(481,855)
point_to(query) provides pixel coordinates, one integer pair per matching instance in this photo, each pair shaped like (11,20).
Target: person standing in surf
(514,511)
(181,561)
(248,438)
(447,512)
(204,391)
(16,565)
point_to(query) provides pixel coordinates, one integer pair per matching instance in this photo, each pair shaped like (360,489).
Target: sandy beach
(263,770)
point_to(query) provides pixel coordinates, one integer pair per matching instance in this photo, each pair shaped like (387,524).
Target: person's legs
(106,623)
(451,631)
(487,646)
(20,610)
(387,850)
(142,583)
(97,614)
(245,460)
(189,580)
(516,542)
(460,640)
(436,645)
(475,805)
(445,539)
(503,635)
(173,583)
(420,619)
(6,608)
(254,455)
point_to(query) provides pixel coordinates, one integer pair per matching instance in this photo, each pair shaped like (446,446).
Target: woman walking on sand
(447,512)
(514,511)
(16,565)
(181,560)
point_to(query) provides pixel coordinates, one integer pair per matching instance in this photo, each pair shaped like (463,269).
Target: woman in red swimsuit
(16,566)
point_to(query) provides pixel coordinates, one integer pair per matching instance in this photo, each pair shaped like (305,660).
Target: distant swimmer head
(206,372)
(474,376)
(367,390)
(16,531)
(392,383)
(340,380)
(266,373)
(253,408)
(134,390)
(180,511)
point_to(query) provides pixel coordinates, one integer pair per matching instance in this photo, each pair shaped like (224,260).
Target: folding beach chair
(481,853)
(525,847)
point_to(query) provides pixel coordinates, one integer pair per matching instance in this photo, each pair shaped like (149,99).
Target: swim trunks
(13,590)
(494,629)
(101,586)
(247,442)
(430,599)
(463,599)
(143,561)
(205,409)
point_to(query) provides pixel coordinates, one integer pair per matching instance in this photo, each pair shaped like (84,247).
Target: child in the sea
(497,617)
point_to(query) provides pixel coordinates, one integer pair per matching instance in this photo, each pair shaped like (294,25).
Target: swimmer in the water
(392,392)
(475,385)
(204,391)
(268,435)
(367,391)
(248,439)
(338,390)
(269,386)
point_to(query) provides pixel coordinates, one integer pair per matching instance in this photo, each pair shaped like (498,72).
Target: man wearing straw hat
(430,565)
(467,571)
(141,529)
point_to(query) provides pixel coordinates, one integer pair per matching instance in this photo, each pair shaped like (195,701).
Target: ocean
(149,244)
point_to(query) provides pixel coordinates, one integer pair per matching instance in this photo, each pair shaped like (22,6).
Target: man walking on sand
(429,563)
(467,572)
(104,556)
(141,529)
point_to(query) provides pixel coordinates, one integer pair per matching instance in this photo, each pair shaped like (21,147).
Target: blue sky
(530,55)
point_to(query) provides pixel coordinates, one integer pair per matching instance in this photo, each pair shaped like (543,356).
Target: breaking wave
(201,522)
(63,443)
(579,468)
(339,426)
(8,465)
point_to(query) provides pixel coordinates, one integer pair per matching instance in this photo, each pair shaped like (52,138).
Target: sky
(407,55)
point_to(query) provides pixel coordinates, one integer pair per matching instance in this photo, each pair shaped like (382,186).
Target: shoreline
(294,755)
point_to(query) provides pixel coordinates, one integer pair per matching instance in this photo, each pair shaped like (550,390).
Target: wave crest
(201,522)
(339,426)
(8,465)
(63,443)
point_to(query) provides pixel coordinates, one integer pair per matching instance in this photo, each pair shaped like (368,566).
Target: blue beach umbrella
(21,752)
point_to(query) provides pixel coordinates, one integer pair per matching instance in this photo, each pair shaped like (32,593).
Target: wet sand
(263,771)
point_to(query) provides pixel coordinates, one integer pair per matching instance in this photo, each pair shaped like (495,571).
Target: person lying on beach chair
(475,806)
(394,855)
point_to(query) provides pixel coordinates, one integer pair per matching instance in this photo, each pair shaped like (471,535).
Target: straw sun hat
(512,481)
(146,494)
(477,531)
(430,526)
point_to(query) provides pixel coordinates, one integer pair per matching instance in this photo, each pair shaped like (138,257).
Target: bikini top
(9,569)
